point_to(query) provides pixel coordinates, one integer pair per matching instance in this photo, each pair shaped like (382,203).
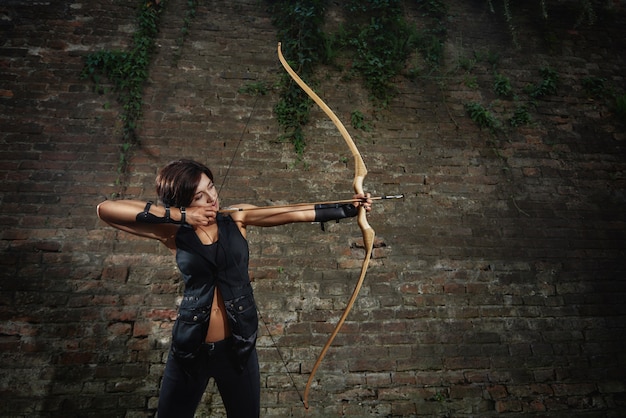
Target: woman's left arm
(250,215)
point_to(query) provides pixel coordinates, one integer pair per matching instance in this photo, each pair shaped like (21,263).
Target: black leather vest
(223,264)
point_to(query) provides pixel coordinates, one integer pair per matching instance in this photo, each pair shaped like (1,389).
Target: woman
(216,328)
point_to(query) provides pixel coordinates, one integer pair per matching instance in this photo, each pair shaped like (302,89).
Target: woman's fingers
(363,199)
(200,215)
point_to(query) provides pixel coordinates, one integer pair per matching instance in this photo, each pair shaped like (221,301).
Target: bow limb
(360,171)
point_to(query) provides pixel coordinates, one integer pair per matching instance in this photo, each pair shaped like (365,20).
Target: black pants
(184,383)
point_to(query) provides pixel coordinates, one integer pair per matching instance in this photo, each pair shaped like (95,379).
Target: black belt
(217,345)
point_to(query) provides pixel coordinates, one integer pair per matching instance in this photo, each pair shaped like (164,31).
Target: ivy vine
(380,41)
(523,101)
(190,14)
(586,12)
(127,71)
(302,40)
(377,40)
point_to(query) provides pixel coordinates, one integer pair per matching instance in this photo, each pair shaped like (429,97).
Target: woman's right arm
(122,214)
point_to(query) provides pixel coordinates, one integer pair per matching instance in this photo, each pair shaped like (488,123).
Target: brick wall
(496,287)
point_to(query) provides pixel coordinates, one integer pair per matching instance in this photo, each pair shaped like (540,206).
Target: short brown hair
(177,182)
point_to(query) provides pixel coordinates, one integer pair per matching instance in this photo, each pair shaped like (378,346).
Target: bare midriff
(218,322)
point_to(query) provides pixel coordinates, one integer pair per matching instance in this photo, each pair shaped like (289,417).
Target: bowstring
(243,132)
(280,355)
(267,328)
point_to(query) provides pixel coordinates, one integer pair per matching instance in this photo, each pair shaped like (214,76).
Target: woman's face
(206,194)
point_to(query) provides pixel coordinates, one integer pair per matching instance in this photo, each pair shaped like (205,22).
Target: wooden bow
(368,233)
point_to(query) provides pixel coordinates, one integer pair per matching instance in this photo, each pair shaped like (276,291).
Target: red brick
(499,275)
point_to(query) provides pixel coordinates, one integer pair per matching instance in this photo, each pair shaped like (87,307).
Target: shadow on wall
(72,342)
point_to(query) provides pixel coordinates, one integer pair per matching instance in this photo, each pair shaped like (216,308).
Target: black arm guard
(149,218)
(334,212)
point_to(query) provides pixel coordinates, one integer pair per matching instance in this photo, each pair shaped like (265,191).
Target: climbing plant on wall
(522,102)
(299,25)
(586,11)
(127,71)
(376,39)
(379,40)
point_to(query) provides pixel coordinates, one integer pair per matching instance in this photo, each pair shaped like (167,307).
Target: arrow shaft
(328,202)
